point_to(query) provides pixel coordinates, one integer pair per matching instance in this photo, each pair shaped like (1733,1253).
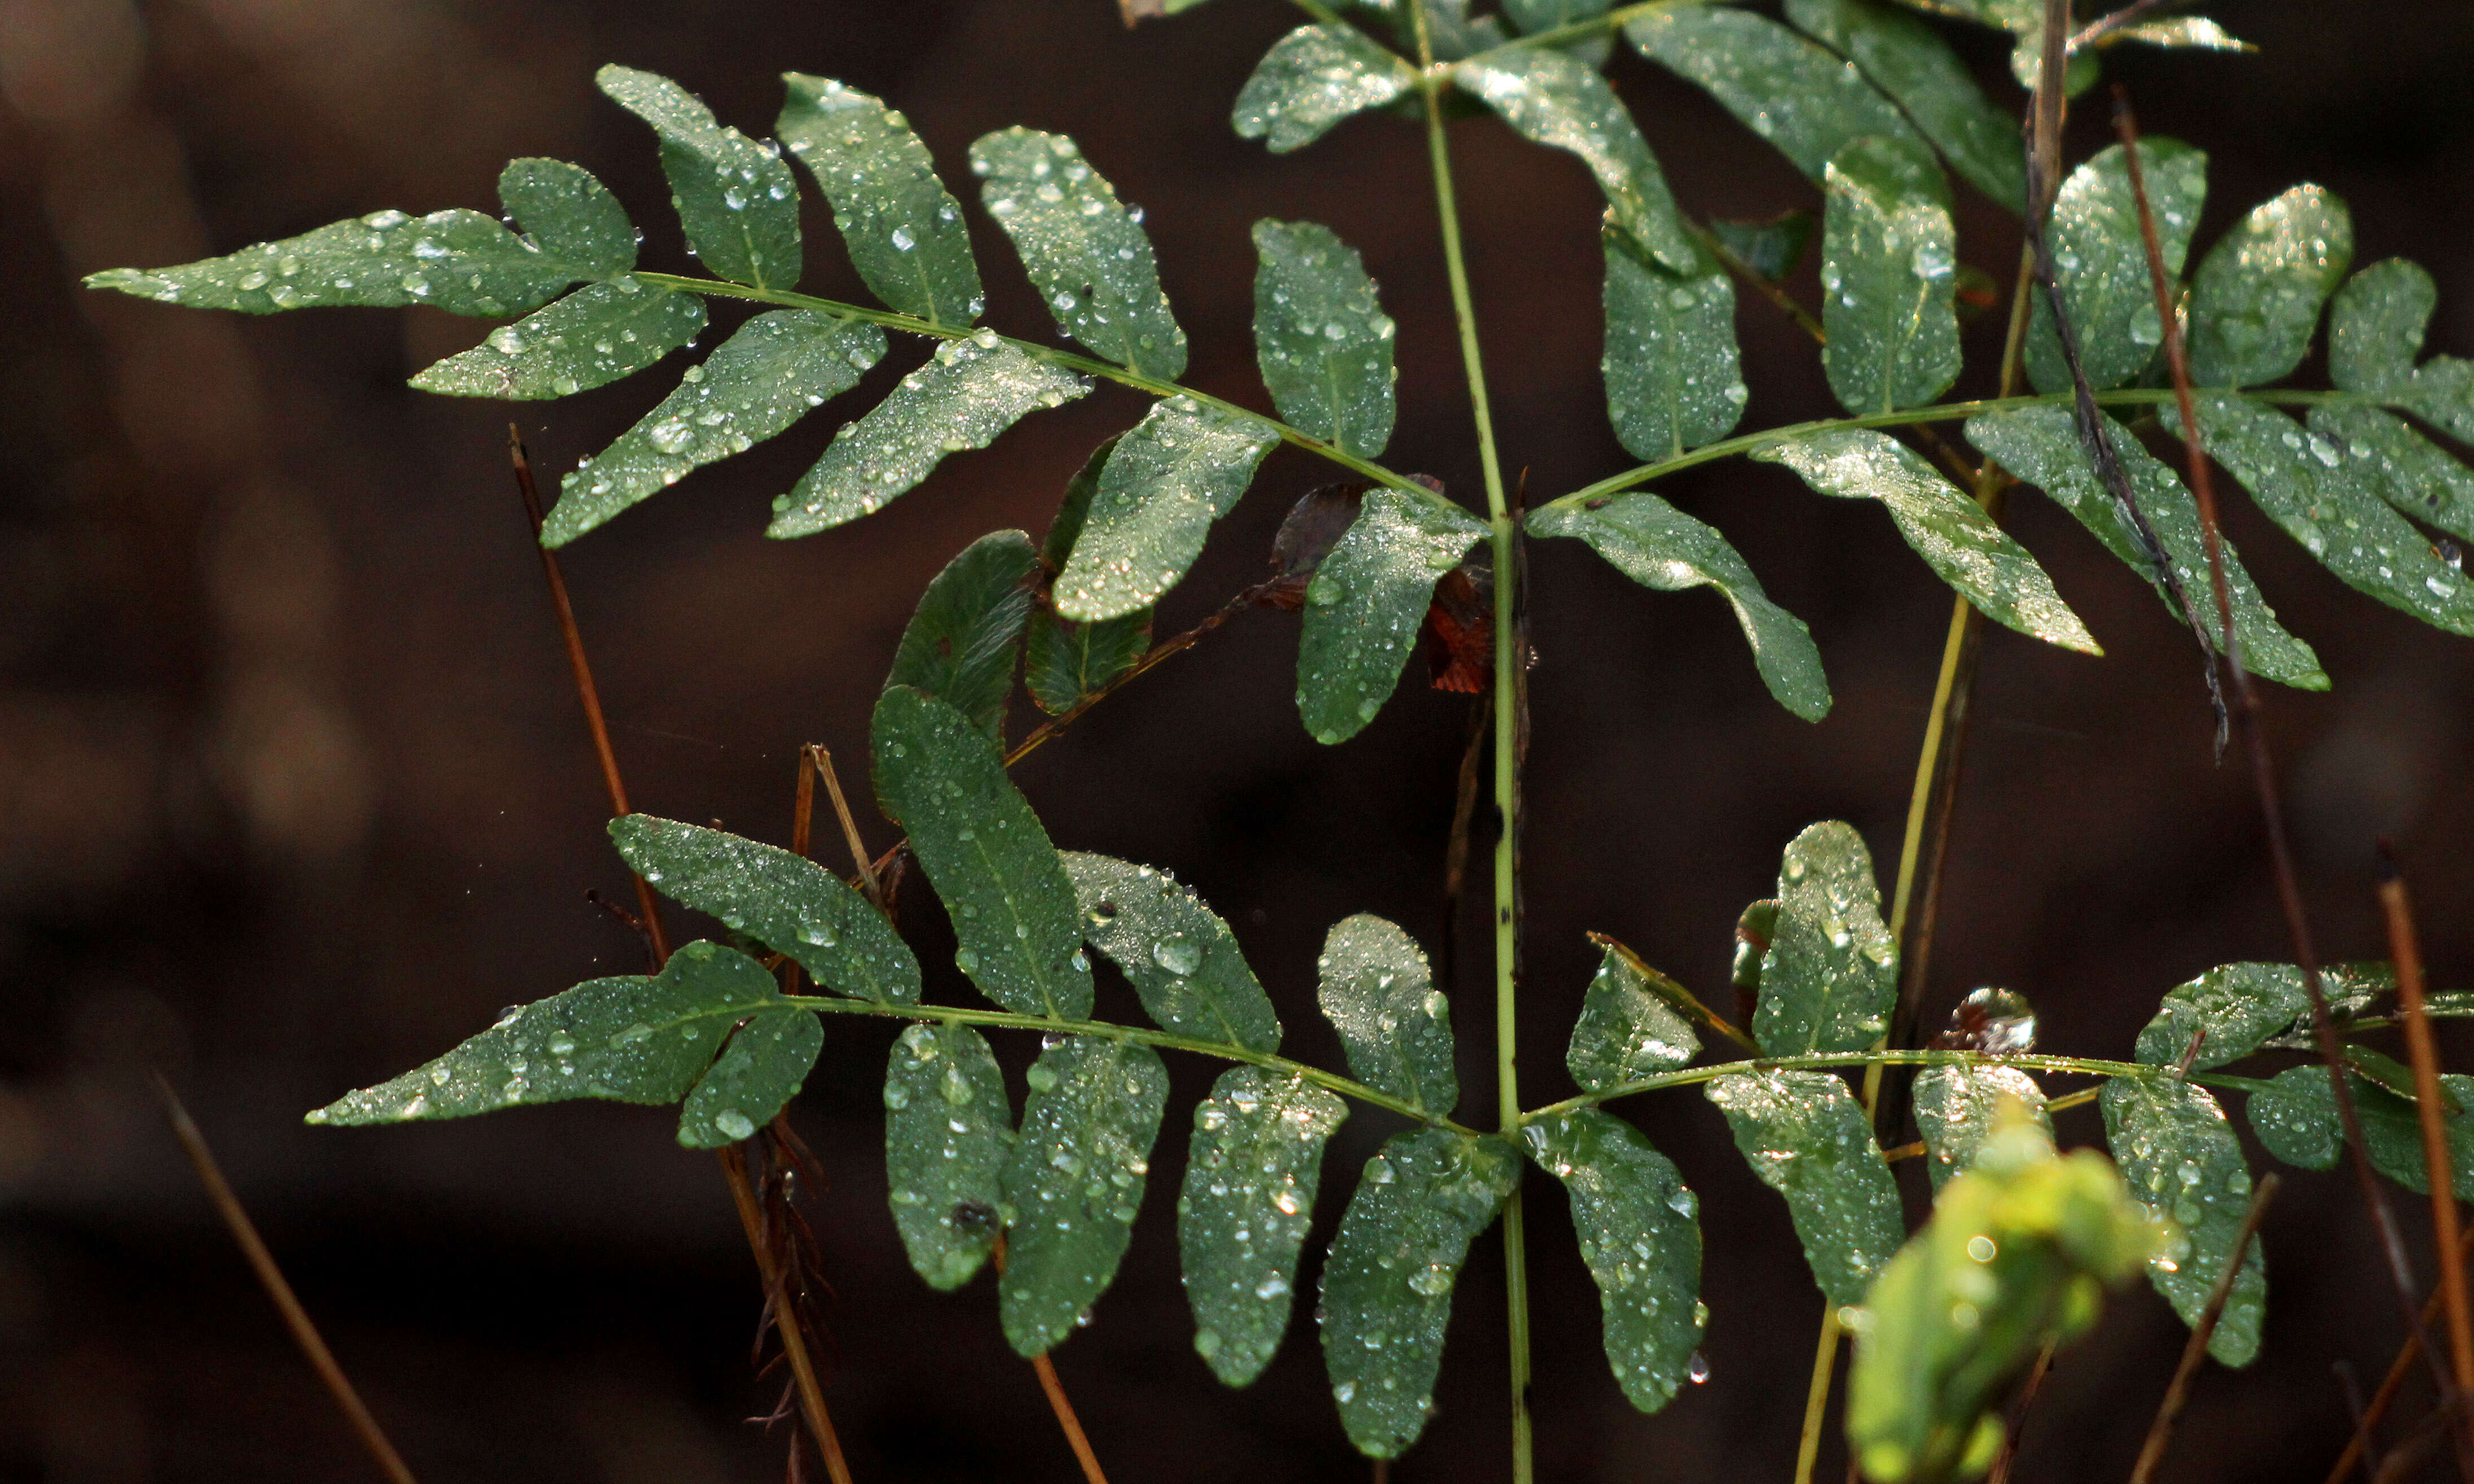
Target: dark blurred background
(295,792)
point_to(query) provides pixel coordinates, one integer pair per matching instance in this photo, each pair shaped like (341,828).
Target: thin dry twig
(2357,1412)
(823,764)
(780,1300)
(1058,1402)
(2161,1432)
(2000,1471)
(2405,950)
(305,1333)
(2357,1452)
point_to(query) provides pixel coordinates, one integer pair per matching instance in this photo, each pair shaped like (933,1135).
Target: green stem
(956,1015)
(1582,30)
(1050,354)
(1503,541)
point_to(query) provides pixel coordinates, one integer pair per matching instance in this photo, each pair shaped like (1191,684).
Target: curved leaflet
(1558,101)
(904,230)
(1322,337)
(735,195)
(754,1078)
(1909,61)
(2256,296)
(1793,93)
(1179,956)
(2179,1157)
(1086,254)
(962,640)
(1181,468)
(2100,263)
(1379,992)
(598,334)
(2296,1117)
(570,215)
(1242,1220)
(1889,271)
(1640,1234)
(1955,1112)
(1075,1183)
(1674,378)
(1625,1031)
(1807,1138)
(1310,80)
(1365,605)
(948,1130)
(1831,972)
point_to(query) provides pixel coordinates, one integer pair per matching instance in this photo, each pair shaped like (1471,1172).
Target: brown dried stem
(2405,950)
(2394,1381)
(781,1301)
(823,764)
(2002,1461)
(1058,1402)
(305,1333)
(2178,1392)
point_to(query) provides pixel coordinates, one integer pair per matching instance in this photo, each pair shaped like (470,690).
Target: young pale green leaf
(968,392)
(1640,1234)
(1182,959)
(904,230)
(2296,1117)
(1310,80)
(754,1078)
(948,1130)
(631,1039)
(1387,1284)
(1396,1028)
(2404,467)
(962,640)
(1322,337)
(776,369)
(1085,253)
(1805,101)
(1950,531)
(2328,503)
(1561,102)
(2376,324)
(1179,471)
(1249,1190)
(570,215)
(1909,60)
(2041,445)
(735,197)
(1365,603)
(595,336)
(2257,293)
(1626,1030)
(1889,274)
(1955,1107)
(1831,972)
(1002,883)
(786,902)
(2244,1007)
(1659,546)
(1075,1183)
(1807,1137)
(2100,261)
(1069,662)
(459,261)
(2179,1156)
(1674,381)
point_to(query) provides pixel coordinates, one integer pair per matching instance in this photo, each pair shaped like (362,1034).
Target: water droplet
(733,1122)
(1697,1370)
(1177,953)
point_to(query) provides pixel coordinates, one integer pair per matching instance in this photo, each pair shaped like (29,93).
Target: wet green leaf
(1808,103)
(461,261)
(1625,1031)
(773,372)
(1807,1137)
(1831,972)
(1561,102)
(1909,61)
(595,336)
(1075,1183)
(2041,445)
(1674,381)
(630,1039)
(754,1078)
(735,195)
(904,230)
(1641,1236)
(962,642)
(1756,929)
(1379,992)
(1065,528)
(948,1131)
(1250,1191)
(1181,468)
(1950,531)
(2297,1121)
(1889,274)
(1659,546)
(1182,959)
(2179,1156)
(2238,1005)
(2100,262)
(1387,1284)
(1068,662)
(1085,253)
(1366,605)
(2401,465)
(1002,883)
(2015,1261)
(2307,485)
(569,214)
(1770,249)
(969,391)
(1532,16)
(1955,1107)
(1310,80)
(1322,337)
(786,902)
(2256,296)
(2376,326)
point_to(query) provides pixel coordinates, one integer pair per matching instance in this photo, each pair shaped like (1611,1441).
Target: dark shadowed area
(295,792)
